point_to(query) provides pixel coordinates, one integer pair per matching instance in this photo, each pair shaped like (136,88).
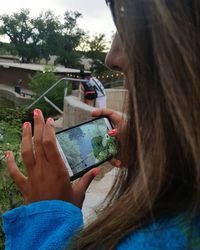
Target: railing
(51,88)
(66,80)
(114,84)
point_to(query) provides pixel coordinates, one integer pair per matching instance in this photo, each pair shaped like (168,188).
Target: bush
(10,138)
(39,83)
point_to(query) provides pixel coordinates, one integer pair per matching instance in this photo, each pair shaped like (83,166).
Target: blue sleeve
(45,225)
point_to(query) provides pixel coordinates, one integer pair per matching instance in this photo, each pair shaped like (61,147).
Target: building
(11,72)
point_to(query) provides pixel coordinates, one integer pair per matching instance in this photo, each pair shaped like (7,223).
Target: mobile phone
(86,145)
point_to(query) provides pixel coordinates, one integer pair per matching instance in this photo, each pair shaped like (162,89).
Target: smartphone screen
(86,145)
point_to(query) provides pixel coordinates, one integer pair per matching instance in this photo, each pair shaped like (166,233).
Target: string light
(98,76)
(109,76)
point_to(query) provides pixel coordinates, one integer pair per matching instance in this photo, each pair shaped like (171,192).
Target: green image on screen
(87,145)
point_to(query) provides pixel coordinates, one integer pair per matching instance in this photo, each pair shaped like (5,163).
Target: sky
(96,15)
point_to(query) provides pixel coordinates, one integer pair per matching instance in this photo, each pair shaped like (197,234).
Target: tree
(18,28)
(7,49)
(30,36)
(96,51)
(70,40)
(45,35)
(97,43)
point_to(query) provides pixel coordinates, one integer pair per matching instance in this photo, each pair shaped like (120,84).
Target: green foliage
(11,115)
(7,49)
(5,103)
(70,58)
(34,38)
(97,145)
(42,36)
(104,147)
(70,40)
(18,27)
(10,137)
(97,43)
(96,48)
(40,82)
(98,63)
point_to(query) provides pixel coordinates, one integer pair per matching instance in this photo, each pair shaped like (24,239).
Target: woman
(87,89)
(155,201)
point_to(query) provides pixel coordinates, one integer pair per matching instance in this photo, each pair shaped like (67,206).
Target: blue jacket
(48,225)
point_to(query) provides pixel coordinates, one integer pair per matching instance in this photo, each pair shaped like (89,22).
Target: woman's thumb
(86,179)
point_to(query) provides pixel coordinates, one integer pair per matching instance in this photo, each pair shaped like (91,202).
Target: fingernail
(96,171)
(7,154)
(36,113)
(112,132)
(26,125)
(118,163)
(50,120)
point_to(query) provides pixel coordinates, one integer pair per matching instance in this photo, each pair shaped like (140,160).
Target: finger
(19,179)
(115,162)
(27,147)
(113,132)
(84,182)
(50,146)
(113,115)
(38,132)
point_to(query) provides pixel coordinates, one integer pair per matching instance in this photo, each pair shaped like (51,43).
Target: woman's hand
(47,176)
(119,124)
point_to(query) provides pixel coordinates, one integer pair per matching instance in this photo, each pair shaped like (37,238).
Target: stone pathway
(11,88)
(97,192)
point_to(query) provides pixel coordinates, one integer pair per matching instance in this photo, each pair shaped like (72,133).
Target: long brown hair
(161,39)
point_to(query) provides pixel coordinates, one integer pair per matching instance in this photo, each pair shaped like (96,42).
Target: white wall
(75,111)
